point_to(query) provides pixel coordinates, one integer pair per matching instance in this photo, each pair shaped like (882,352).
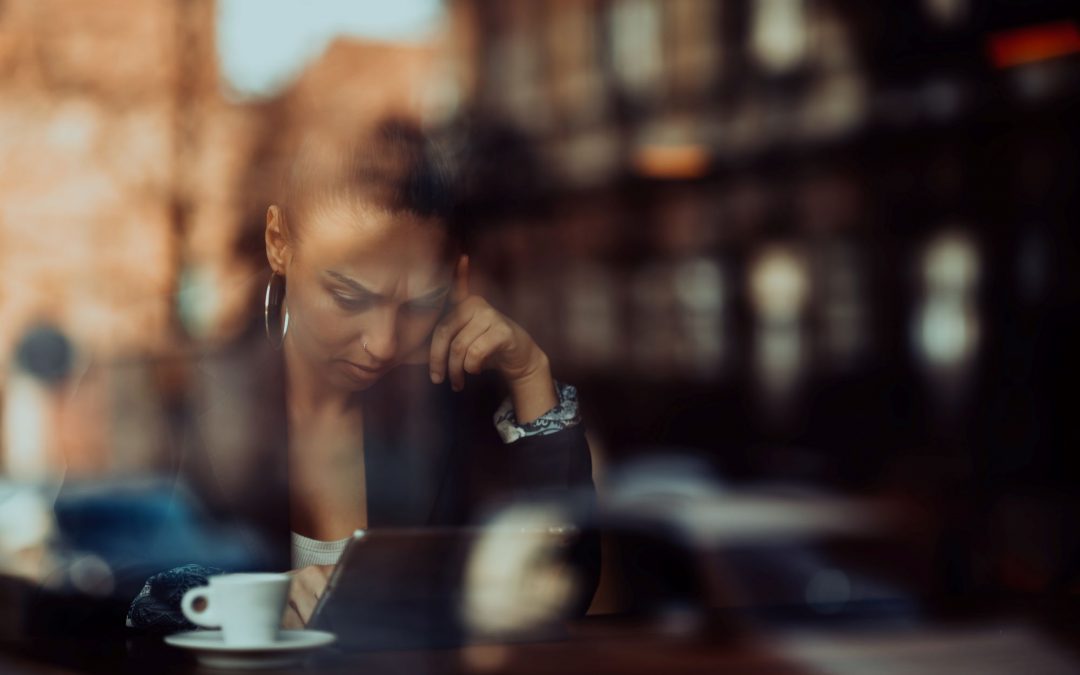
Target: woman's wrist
(533,393)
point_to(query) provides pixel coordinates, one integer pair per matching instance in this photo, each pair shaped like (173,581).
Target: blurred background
(811,263)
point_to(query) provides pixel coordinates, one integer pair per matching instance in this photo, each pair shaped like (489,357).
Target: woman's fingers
(459,349)
(456,344)
(307,585)
(444,334)
(460,313)
(483,347)
(460,290)
(303,603)
(291,619)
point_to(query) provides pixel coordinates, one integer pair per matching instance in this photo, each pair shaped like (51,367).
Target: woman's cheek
(323,323)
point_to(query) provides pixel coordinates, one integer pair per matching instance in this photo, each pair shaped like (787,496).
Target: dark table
(598,645)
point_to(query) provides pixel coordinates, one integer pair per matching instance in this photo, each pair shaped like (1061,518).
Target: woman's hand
(474,336)
(308,585)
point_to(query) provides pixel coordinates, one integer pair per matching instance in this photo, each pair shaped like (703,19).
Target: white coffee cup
(247,607)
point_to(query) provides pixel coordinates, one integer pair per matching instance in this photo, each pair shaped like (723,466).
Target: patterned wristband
(563,416)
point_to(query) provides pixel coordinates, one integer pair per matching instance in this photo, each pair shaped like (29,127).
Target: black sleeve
(484,474)
(554,462)
(558,467)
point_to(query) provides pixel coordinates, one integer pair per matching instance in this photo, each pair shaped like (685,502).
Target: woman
(368,274)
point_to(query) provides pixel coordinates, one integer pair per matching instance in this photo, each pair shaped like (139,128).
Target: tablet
(419,588)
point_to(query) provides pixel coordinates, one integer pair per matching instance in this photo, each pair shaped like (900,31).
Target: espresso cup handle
(204,617)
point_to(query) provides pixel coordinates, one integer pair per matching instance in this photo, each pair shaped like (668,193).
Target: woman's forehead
(360,229)
(375,246)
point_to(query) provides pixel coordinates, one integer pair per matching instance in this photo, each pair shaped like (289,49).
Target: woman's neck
(327,480)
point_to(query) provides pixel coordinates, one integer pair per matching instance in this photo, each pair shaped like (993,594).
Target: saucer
(290,648)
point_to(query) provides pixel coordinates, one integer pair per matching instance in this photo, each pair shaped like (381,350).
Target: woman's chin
(348,376)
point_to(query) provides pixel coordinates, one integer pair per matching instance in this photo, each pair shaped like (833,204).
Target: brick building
(123,165)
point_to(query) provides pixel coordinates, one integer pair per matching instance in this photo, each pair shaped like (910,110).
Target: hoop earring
(272,311)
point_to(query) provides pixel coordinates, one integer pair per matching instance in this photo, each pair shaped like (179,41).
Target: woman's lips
(361,371)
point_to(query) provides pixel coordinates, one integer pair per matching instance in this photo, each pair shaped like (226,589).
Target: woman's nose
(380,340)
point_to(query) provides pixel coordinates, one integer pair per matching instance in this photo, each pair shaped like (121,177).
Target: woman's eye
(349,302)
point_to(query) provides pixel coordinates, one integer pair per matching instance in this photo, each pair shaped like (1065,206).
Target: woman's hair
(393,166)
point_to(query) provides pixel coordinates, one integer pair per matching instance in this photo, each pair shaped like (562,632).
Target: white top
(307,551)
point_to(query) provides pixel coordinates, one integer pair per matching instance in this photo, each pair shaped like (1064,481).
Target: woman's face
(364,289)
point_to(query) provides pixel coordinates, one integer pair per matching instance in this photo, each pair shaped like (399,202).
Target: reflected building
(130,186)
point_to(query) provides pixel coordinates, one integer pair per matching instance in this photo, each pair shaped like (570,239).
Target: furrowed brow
(360,288)
(352,283)
(433,295)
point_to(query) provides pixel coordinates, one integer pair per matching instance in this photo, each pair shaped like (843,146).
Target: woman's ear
(278,249)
